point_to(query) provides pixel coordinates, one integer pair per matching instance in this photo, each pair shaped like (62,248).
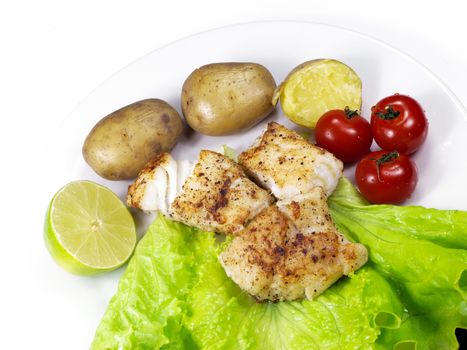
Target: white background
(54,53)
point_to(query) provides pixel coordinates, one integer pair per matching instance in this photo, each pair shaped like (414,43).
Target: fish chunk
(309,212)
(291,250)
(158,183)
(218,196)
(285,163)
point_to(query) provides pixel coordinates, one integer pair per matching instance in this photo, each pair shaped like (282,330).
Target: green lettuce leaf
(229,152)
(147,309)
(447,228)
(422,253)
(175,294)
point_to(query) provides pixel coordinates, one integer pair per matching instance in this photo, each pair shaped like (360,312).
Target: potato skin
(224,98)
(121,143)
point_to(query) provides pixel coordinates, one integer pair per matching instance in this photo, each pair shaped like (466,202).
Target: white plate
(279,46)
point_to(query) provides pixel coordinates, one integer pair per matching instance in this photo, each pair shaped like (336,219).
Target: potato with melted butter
(121,143)
(317,86)
(225,98)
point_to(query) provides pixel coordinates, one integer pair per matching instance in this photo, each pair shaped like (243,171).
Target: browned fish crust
(286,164)
(274,259)
(218,196)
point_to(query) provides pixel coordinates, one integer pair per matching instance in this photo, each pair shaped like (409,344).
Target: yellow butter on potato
(317,86)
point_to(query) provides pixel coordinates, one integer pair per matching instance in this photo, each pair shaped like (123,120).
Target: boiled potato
(121,144)
(224,98)
(317,86)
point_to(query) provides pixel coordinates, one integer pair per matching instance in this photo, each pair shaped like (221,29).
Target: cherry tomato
(386,177)
(399,124)
(344,133)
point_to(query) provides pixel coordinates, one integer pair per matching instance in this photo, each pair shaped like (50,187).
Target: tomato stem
(389,114)
(385,158)
(349,113)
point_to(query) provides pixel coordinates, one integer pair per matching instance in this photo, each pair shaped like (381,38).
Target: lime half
(88,230)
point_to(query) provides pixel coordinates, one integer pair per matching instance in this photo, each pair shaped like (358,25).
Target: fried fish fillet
(218,196)
(158,183)
(291,250)
(286,164)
